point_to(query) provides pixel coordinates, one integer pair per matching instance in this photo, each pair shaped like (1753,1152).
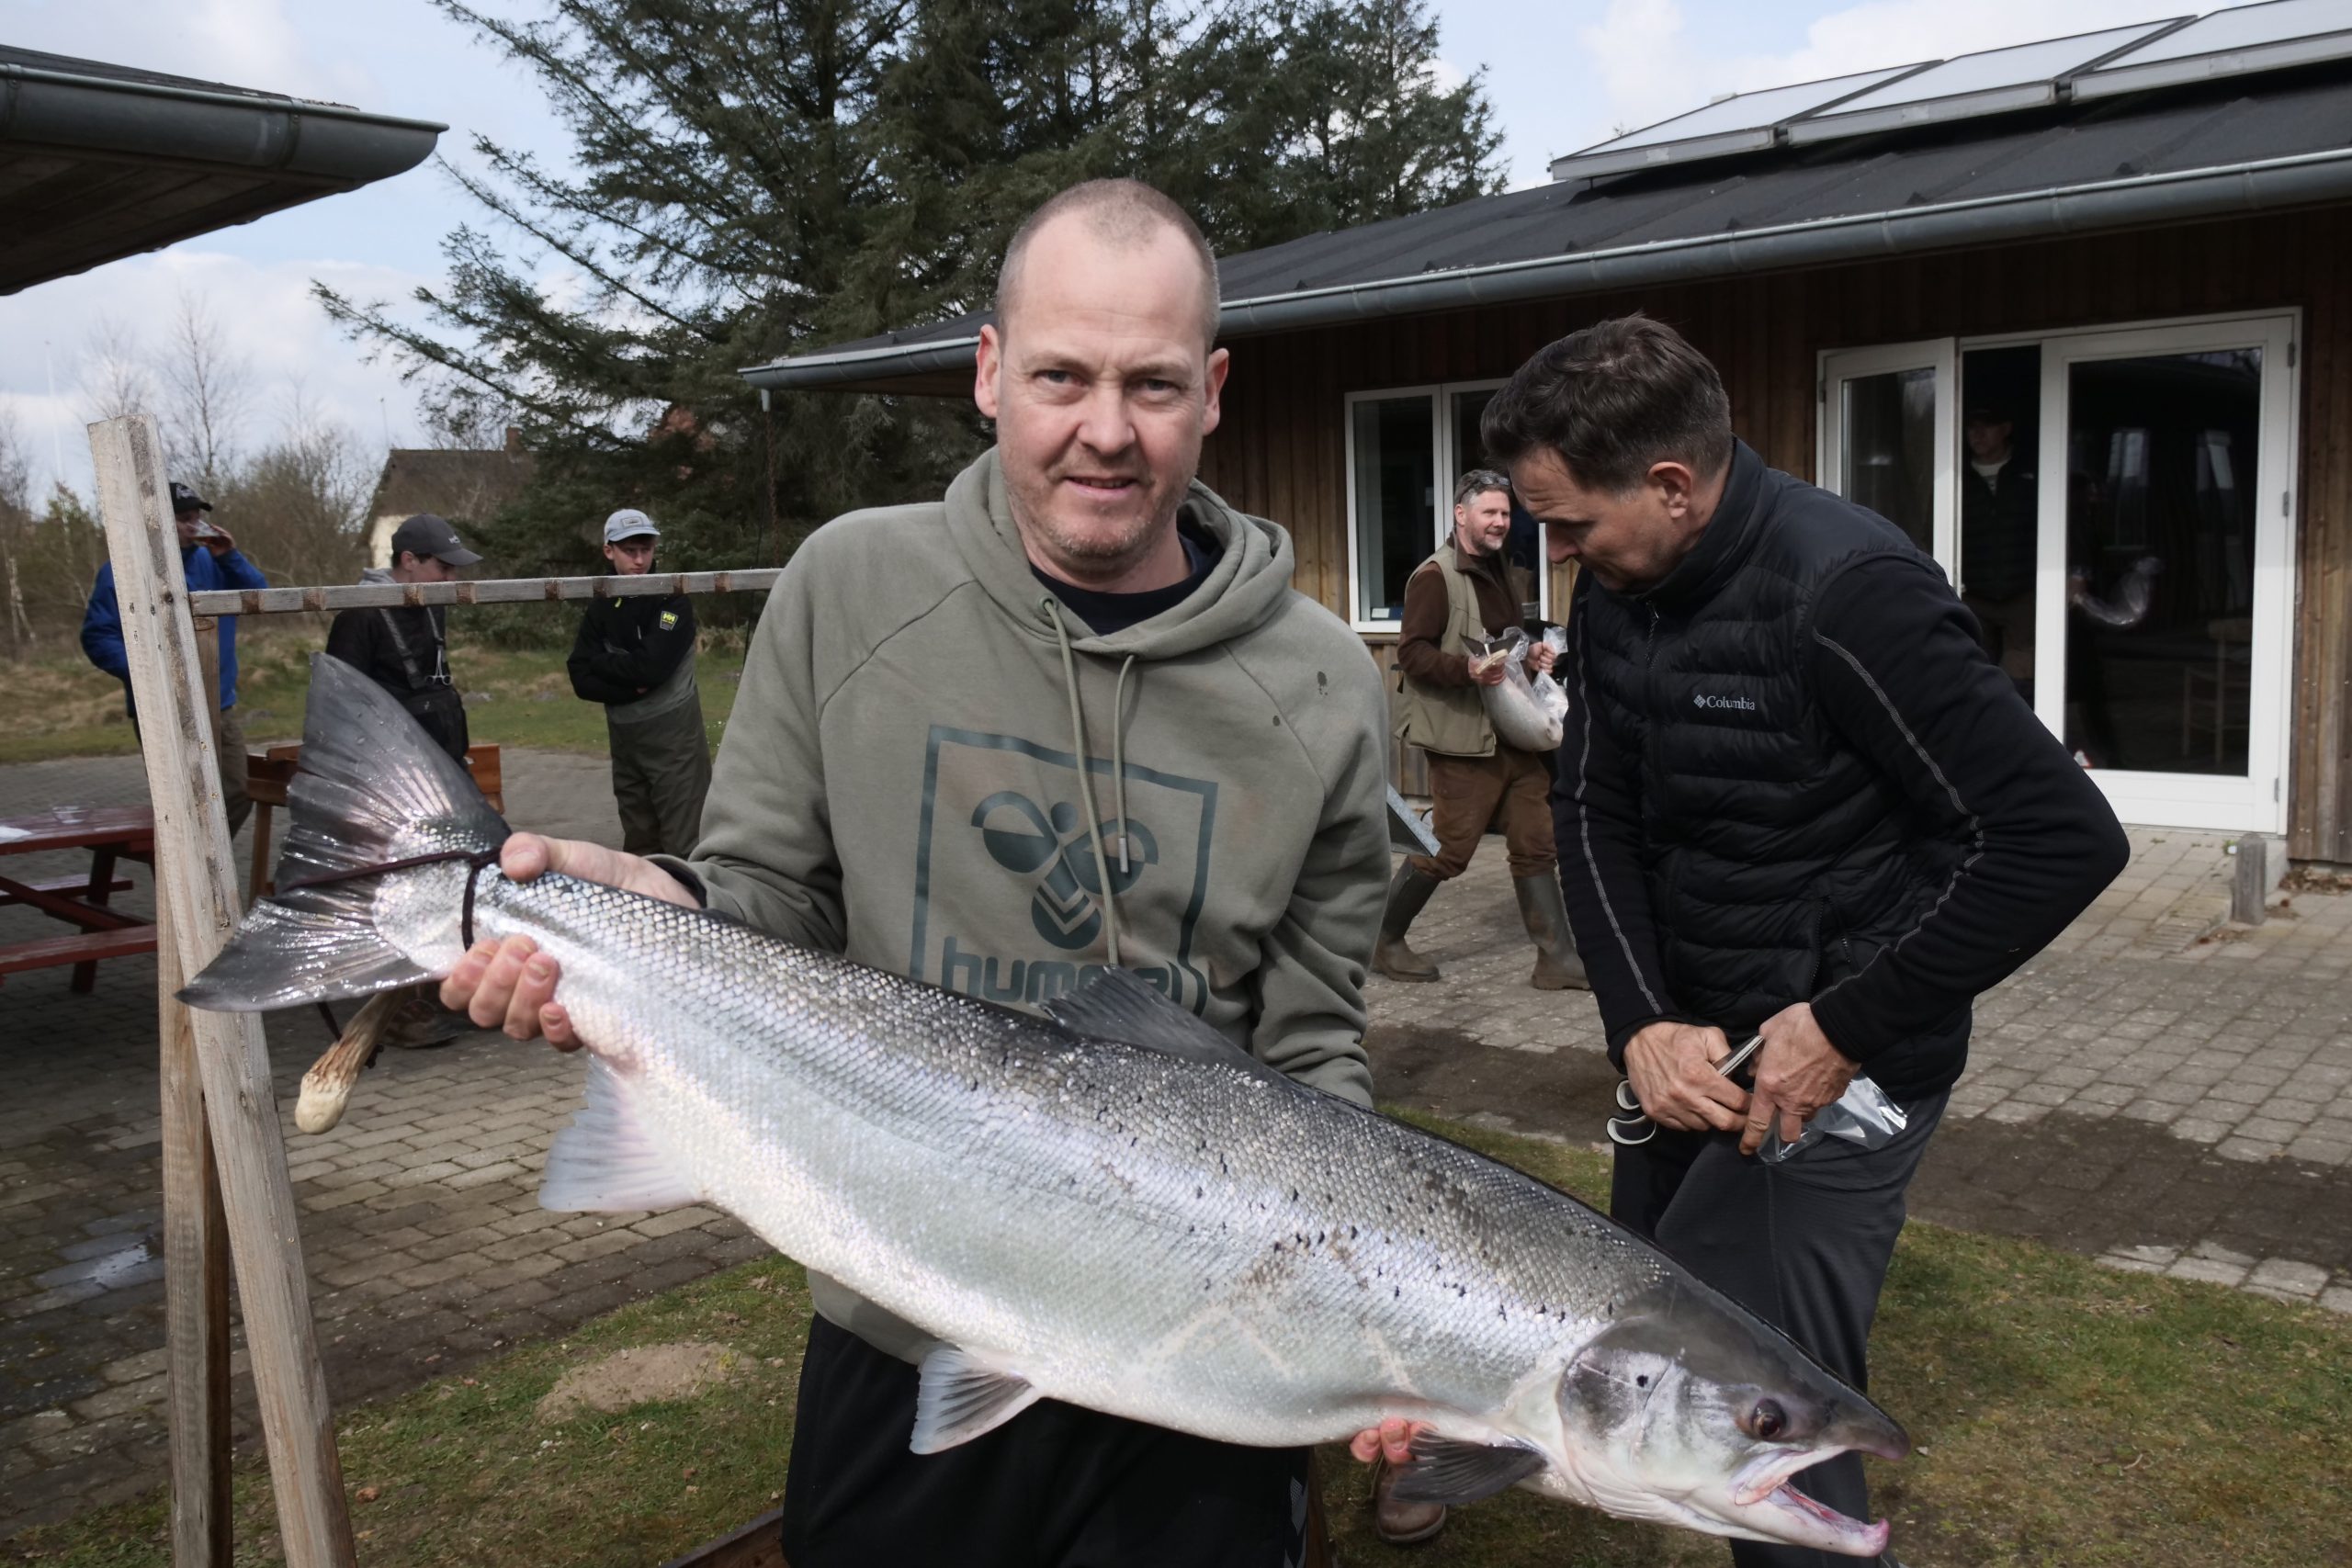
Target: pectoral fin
(1443,1471)
(960,1398)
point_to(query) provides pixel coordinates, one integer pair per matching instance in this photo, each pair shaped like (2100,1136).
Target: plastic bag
(1862,1115)
(1528,710)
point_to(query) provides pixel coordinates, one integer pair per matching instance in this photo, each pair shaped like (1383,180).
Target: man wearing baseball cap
(405,647)
(636,655)
(208,558)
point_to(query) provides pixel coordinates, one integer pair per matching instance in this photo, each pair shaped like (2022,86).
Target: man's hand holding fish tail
(510,984)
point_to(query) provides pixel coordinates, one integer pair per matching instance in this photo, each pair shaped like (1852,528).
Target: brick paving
(2160,1089)
(2169,1103)
(420,1225)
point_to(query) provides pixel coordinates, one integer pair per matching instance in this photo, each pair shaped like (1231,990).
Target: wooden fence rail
(490,590)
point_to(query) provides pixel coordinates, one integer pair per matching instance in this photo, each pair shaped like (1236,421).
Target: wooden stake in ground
(196,1289)
(196,889)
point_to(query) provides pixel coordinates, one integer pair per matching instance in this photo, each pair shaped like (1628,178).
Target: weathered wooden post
(199,904)
(196,1288)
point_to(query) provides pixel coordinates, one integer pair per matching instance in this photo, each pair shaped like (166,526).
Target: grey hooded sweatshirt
(901,783)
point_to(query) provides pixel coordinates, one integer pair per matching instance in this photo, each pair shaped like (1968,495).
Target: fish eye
(1767,1421)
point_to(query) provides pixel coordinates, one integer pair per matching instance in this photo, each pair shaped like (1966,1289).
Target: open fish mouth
(1768,1503)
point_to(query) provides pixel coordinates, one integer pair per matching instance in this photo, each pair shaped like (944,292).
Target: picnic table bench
(111,834)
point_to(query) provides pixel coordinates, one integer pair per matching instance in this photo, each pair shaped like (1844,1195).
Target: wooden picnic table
(269,773)
(111,834)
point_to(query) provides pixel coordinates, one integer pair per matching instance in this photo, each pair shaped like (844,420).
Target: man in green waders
(637,657)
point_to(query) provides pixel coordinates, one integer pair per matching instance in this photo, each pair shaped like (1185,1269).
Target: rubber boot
(1407,894)
(1557,968)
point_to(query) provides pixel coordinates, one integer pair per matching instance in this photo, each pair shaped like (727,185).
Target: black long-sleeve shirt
(627,647)
(1897,666)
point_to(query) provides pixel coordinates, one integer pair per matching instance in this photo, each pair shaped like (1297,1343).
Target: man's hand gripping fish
(1113,1205)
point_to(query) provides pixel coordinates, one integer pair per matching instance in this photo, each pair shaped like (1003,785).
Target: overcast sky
(1561,73)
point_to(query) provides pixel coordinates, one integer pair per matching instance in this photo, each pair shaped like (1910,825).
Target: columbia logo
(1745,704)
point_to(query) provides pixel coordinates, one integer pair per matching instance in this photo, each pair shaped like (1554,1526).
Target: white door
(1888,437)
(2164,571)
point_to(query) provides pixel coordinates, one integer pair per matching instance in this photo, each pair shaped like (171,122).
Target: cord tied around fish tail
(476,862)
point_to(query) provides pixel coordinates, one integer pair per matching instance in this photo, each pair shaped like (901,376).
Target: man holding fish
(1455,602)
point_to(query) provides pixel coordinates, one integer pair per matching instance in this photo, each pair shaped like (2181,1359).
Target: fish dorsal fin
(606,1161)
(1445,1471)
(1120,1005)
(960,1397)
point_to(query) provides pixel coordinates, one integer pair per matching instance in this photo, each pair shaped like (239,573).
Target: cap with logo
(426,535)
(187,500)
(628,523)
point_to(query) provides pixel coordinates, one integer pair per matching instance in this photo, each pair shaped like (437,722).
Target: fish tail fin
(374,789)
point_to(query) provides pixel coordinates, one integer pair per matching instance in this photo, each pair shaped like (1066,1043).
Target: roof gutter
(327,143)
(2134,200)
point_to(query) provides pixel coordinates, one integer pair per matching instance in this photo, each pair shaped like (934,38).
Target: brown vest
(1449,720)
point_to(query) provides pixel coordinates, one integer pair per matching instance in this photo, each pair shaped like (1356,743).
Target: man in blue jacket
(209,558)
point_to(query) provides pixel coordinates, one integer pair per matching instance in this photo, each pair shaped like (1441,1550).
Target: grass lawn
(61,706)
(2065,1413)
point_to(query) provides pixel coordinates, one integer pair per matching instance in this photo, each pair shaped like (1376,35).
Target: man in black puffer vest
(1794,799)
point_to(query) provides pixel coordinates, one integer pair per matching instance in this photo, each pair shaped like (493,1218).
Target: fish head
(1693,1412)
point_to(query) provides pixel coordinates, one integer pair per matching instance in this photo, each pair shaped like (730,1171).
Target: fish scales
(1130,1230)
(1113,1206)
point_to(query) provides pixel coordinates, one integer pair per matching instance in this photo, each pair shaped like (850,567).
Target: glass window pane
(1888,449)
(1396,497)
(2000,399)
(2160,525)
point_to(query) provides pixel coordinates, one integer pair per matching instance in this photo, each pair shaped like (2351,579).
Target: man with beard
(1073,713)
(1460,594)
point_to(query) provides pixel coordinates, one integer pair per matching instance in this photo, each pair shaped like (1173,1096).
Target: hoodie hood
(376,574)
(1248,585)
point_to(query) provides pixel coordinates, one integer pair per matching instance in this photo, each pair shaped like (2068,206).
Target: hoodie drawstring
(1052,610)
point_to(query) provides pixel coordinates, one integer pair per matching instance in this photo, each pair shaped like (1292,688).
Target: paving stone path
(2137,1094)
(2159,1090)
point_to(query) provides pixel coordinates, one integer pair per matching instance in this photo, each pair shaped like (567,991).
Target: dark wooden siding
(1280,448)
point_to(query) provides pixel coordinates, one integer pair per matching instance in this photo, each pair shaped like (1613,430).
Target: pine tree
(760,179)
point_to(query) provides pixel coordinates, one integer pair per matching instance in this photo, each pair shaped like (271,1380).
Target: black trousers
(1804,1244)
(1054,1487)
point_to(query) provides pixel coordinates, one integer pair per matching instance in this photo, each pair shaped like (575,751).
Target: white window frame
(1444,437)
(1839,366)
(2257,802)
(1434,391)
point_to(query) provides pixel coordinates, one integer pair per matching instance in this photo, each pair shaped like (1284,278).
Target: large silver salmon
(1529,711)
(1112,1206)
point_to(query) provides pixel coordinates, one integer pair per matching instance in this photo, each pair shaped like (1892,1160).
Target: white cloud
(265,315)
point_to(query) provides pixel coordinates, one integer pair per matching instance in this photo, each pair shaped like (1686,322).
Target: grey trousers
(661,773)
(1804,1244)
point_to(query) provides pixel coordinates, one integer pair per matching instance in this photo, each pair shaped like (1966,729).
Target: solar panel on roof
(1730,125)
(2025,75)
(2228,43)
(2241,40)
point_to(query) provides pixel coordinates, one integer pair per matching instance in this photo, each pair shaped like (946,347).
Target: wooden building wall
(1281,450)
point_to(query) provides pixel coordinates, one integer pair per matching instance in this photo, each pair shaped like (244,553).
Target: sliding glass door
(2166,567)
(2116,510)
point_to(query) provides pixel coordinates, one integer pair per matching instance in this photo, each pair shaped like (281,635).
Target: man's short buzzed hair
(1124,213)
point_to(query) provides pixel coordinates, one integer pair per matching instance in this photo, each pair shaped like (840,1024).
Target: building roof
(461,485)
(99,161)
(2174,154)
